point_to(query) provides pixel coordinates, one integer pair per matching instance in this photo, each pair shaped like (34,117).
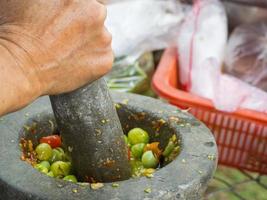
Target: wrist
(18,86)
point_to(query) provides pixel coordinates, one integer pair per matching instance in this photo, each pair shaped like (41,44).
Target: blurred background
(208,57)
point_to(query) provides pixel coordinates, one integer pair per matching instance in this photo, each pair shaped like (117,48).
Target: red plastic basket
(241,136)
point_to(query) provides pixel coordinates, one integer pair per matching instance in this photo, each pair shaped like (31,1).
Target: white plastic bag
(143,25)
(201,46)
(232,93)
(246,56)
(201,52)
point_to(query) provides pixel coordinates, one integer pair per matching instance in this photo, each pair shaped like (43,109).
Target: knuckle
(98,14)
(100,65)
(106,38)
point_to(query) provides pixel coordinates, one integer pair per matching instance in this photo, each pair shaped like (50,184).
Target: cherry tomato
(45,164)
(137,150)
(60,168)
(57,155)
(70,178)
(44,152)
(149,160)
(41,168)
(126,141)
(53,140)
(138,135)
(50,173)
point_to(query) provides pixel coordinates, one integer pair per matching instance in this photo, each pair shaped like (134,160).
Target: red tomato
(53,140)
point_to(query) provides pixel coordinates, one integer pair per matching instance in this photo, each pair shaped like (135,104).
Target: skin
(50,47)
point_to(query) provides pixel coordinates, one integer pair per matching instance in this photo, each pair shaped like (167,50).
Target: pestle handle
(91,130)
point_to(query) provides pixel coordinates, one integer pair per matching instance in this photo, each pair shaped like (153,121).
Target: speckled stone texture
(88,122)
(184,178)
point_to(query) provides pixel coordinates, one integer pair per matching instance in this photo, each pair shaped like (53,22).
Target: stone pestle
(92,133)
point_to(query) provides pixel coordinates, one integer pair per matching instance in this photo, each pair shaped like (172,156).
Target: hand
(50,47)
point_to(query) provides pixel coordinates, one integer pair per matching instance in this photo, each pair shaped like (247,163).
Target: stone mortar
(184,178)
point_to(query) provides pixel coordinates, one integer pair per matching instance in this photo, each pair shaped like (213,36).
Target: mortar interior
(44,124)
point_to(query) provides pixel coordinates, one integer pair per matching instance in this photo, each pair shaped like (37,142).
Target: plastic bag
(128,76)
(140,26)
(201,49)
(201,46)
(246,56)
(233,93)
(258,3)
(239,13)
(143,25)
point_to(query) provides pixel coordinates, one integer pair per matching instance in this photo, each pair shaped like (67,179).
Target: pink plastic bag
(201,47)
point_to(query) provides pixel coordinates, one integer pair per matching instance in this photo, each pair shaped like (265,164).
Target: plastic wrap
(243,14)
(246,56)
(201,47)
(143,25)
(233,93)
(140,26)
(131,76)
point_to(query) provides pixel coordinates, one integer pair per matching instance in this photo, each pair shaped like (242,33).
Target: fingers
(102,41)
(76,46)
(95,13)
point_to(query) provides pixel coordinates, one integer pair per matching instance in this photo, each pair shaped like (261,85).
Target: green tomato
(70,178)
(57,155)
(41,168)
(126,141)
(44,151)
(149,160)
(45,164)
(60,150)
(137,150)
(60,168)
(50,174)
(64,155)
(138,135)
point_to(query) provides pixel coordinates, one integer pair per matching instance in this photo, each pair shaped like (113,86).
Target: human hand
(50,47)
